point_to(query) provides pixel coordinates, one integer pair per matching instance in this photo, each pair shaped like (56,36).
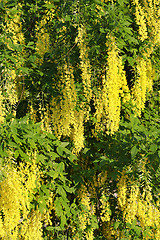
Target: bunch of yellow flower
(138,205)
(105,209)
(130,210)
(140,18)
(108,98)
(42,44)
(14,26)
(2,107)
(144,82)
(16,191)
(67,121)
(122,190)
(84,63)
(87,210)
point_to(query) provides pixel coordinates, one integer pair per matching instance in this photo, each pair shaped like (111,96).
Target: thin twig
(70,49)
(21,94)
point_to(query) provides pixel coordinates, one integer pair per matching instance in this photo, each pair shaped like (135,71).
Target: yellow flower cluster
(88,209)
(108,231)
(67,121)
(2,230)
(78,132)
(85,201)
(150,75)
(42,44)
(50,12)
(130,210)
(84,63)
(43,39)
(148,214)
(140,18)
(33,112)
(139,206)
(2,107)
(105,209)
(45,116)
(152,15)
(122,190)
(10,88)
(14,27)
(31,228)
(12,202)
(108,98)
(143,84)
(89,234)
(16,193)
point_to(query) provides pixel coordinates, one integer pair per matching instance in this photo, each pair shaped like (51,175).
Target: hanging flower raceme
(137,206)
(42,44)
(140,19)
(84,66)
(122,190)
(152,16)
(16,193)
(105,211)
(143,83)
(108,97)
(85,225)
(42,35)
(2,107)
(67,121)
(14,27)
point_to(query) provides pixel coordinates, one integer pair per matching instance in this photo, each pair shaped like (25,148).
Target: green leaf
(69,189)
(24,155)
(50,228)
(60,150)
(60,167)
(45,189)
(42,158)
(153,148)
(67,18)
(58,207)
(32,142)
(49,6)
(16,154)
(63,221)
(72,157)
(12,144)
(24,70)
(131,60)
(53,155)
(61,191)
(138,230)
(42,204)
(42,207)
(134,151)
(66,205)
(64,144)
(116,224)
(53,174)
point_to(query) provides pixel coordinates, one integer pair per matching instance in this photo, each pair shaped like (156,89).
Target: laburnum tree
(86,73)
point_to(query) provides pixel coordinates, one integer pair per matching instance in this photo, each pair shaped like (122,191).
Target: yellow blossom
(108,97)
(122,190)
(105,209)
(140,18)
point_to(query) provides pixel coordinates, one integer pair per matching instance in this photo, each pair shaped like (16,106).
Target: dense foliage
(79,119)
